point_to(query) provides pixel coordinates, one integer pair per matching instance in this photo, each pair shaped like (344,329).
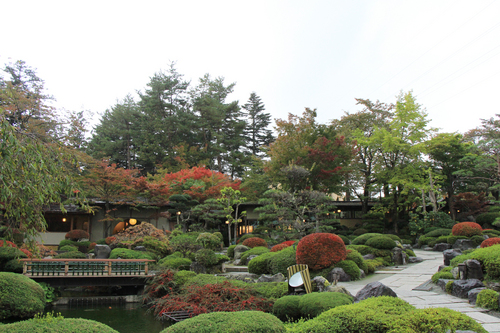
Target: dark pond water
(125,318)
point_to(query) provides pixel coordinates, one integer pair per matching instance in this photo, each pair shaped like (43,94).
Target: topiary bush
(438,232)
(77,234)
(20,297)
(209,241)
(278,247)
(350,268)
(361,240)
(181,277)
(489,257)
(260,264)
(445,273)
(57,324)
(488,298)
(452,239)
(313,304)
(253,252)
(381,242)
(490,241)
(255,242)
(241,321)
(320,250)
(358,259)
(281,261)
(467,229)
(71,255)
(270,290)
(363,249)
(230,251)
(373,264)
(175,262)
(7,254)
(154,245)
(206,257)
(130,254)
(487,218)
(68,248)
(287,308)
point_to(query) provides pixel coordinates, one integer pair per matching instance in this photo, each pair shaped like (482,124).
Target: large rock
(472,295)
(464,244)
(398,256)
(238,251)
(441,283)
(250,258)
(102,251)
(338,289)
(140,248)
(407,247)
(450,254)
(461,288)
(271,278)
(413,260)
(245,277)
(369,256)
(320,282)
(197,268)
(338,274)
(374,289)
(474,270)
(440,247)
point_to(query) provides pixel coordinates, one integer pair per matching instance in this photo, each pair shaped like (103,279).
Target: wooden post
(109,267)
(25,267)
(66,268)
(146,268)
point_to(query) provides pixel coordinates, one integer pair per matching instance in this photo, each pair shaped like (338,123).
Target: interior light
(64,219)
(132,221)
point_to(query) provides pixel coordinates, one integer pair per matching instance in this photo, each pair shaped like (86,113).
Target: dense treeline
(181,143)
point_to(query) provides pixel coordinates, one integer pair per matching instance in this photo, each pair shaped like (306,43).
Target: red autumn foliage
(289,243)
(27,253)
(7,243)
(110,239)
(467,229)
(320,250)
(490,241)
(77,234)
(212,298)
(92,246)
(278,247)
(160,286)
(254,242)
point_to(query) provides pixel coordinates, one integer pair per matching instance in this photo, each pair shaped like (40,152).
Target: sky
(319,54)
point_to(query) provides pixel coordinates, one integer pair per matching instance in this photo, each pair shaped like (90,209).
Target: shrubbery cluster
(320,250)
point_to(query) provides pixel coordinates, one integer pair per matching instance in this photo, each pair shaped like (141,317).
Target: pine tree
(256,132)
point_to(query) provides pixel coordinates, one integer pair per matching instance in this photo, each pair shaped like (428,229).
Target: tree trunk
(423,202)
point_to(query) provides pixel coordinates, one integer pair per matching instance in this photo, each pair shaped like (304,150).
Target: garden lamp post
(178,214)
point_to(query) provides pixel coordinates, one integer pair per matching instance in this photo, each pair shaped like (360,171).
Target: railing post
(109,267)
(146,268)
(66,268)
(25,267)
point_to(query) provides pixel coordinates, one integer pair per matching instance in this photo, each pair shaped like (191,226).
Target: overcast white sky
(293,54)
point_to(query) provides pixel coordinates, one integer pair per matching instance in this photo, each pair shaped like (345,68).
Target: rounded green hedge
(57,325)
(230,251)
(206,257)
(287,307)
(252,252)
(181,277)
(488,298)
(260,264)
(8,254)
(281,261)
(358,259)
(381,242)
(313,304)
(71,255)
(20,296)
(130,254)
(361,240)
(350,268)
(225,322)
(175,262)
(438,232)
(69,248)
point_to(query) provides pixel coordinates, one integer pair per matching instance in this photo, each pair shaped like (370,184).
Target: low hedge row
(58,325)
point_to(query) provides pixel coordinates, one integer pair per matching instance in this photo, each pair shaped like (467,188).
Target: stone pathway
(406,278)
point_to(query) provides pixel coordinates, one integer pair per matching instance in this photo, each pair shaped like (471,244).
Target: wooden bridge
(88,272)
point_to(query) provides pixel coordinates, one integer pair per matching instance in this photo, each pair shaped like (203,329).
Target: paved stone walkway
(405,278)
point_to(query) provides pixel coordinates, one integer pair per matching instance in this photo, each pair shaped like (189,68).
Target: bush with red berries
(467,229)
(77,234)
(254,242)
(490,241)
(320,250)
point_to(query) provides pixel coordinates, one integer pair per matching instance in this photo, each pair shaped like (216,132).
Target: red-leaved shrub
(320,250)
(92,246)
(278,247)
(7,243)
(211,298)
(77,234)
(27,253)
(289,243)
(467,229)
(110,239)
(254,242)
(490,241)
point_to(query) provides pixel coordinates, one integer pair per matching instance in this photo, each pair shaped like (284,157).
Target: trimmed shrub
(467,229)
(488,298)
(361,240)
(363,249)
(181,277)
(209,241)
(255,242)
(320,250)
(477,240)
(159,247)
(68,248)
(71,255)
(491,233)
(409,252)
(434,320)
(438,232)
(14,266)
(381,242)
(279,247)
(175,262)
(8,253)
(206,257)
(443,274)
(346,240)
(313,304)
(129,254)
(270,290)
(230,251)
(260,264)
(76,235)
(490,241)
(487,218)
(359,232)
(256,251)
(373,314)
(393,237)
(350,268)
(57,324)
(287,308)
(281,261)
(242,321)
(185,243)
(290,242)
(358,259)
(452,239)
(373,264)
(110,239)
(20,297)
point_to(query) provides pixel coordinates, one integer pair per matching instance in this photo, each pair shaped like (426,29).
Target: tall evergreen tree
(257,133)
